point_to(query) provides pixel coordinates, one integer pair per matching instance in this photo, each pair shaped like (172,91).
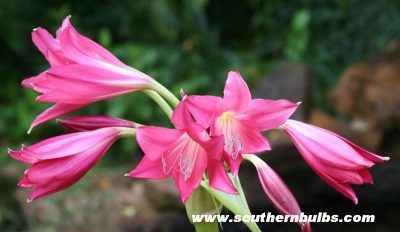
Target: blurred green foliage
(188,44)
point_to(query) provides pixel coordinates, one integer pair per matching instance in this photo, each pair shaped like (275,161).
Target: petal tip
(232,72)
(183,94)
(30,130)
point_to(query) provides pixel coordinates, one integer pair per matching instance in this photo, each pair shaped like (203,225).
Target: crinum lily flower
(59,162)
(336,160)
(81,73)
(276,190)
(185,153)
(239,118)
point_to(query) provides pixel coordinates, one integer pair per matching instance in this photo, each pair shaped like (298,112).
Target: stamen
(169,158)
(233,146)
(186,152)
(233,143)
(186,167)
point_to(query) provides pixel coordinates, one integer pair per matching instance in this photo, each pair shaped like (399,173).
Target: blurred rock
(291,82)
(169,222)
(163,194)
(346,97)
(11,214)
(368,91)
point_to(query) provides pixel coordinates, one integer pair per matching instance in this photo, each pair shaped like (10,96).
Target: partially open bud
(59,162)
(336,160)
(277,191)
(94,122)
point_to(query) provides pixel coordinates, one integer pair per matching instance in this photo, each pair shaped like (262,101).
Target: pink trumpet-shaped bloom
(94,122)
(82,72)
(239,118)
(184,153)
(335,159)
(61,161)
(277,191)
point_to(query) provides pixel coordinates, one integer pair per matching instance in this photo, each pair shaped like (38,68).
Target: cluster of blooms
(212,135)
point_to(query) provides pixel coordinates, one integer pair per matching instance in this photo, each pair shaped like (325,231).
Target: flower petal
(269,114)
(217,174)
(57,58)
(366,175)
(49,46)
(65,24)
(154,141)
(38,83)
(187,186)
(83,49)
(237,97)
(148,169)
(64,145)
(55,111)
(219,178)
(366,154)
(44,41)
(234,164)
(203,108)
(183,119)
(253,141)
(80,84)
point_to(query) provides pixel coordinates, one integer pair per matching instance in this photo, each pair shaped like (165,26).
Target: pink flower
(185,153)
(239,118)
(61,161)
(277,191)
(94,122)
(336,160)
(82,72)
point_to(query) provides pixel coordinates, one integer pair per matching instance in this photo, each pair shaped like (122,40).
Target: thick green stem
(127,132)
(236,203)
(160,101)
(239,188)
(206,227)
(165,93)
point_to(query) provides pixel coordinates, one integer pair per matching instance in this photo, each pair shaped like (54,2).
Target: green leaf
(298,36)
(236,203)
(202,203)
(206,226)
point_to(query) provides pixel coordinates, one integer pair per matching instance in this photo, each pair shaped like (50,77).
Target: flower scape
(210,139)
